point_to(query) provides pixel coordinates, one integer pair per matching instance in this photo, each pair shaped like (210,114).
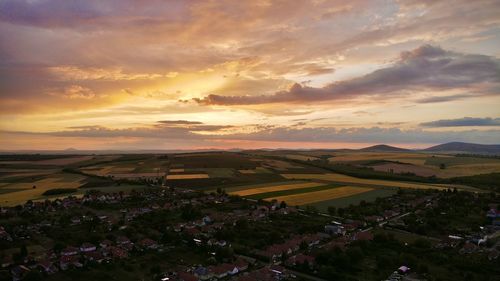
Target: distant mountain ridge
(451,147)
(465,147)
(383,148)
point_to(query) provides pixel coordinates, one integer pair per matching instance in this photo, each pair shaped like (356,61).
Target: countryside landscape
(249,140)
(252,214)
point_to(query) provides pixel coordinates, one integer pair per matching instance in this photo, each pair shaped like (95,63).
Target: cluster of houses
(294,252)
(276,252)
(51,262)
(236,271)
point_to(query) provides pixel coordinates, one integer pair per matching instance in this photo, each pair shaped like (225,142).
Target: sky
(153,74)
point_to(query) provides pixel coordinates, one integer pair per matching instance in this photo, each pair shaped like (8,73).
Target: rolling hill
(464,147)
(383,148)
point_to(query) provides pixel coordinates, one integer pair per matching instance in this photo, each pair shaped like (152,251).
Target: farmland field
(257,175)
(405,168)
(272,188)
(323,195)
(421,164)
(368,196)
(187,176)
(247,171)
(292,191)
(352,180)
(363,156)
(19,192)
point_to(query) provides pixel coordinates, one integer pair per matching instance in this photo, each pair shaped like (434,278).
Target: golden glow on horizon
(248,74)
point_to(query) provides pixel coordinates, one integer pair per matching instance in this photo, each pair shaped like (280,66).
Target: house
(69,251)
(203,273)
(493,255)
(374,218)
(403,269)
(334,229)
(7,261)
(87,247)
(363,236)
(19,272)
(66,261)
(493,213)
(241,264)
(206,220)
(184,276)
(122,240)
(311,240)
(118,252)
(4,235)
(47,267)
(214,242)
(94,256)
(106,243)
(75,220)
(390,213)
(277,271)
(148,244)
(301,259)
(468,248)
(223,270)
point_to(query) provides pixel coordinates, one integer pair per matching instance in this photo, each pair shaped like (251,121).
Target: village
(180,234)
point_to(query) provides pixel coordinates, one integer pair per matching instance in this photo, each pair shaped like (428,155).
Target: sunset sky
(153,74)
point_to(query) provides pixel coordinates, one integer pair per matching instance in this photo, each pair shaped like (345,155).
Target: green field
(356,199)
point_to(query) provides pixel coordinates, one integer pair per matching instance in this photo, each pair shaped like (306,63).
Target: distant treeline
(57,191)
(31,157)
(479,156)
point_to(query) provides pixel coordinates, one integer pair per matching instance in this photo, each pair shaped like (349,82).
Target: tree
(33,276)
(23,251)
(332,210)
(442,166)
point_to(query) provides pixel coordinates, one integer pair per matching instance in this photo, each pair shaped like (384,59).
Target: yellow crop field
(176,170)
(323,195)
(20,192)
(187,176)
(347,179)
(252,191)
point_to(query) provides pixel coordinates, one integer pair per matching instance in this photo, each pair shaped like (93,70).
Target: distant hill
(383,148)
(474,148)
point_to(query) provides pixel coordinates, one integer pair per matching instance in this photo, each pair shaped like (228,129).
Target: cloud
(424,68)
(463,122)
(282,134)
(180,122)
(116,74)
(166,129)
(74,92)
(438,99)
(368,135)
